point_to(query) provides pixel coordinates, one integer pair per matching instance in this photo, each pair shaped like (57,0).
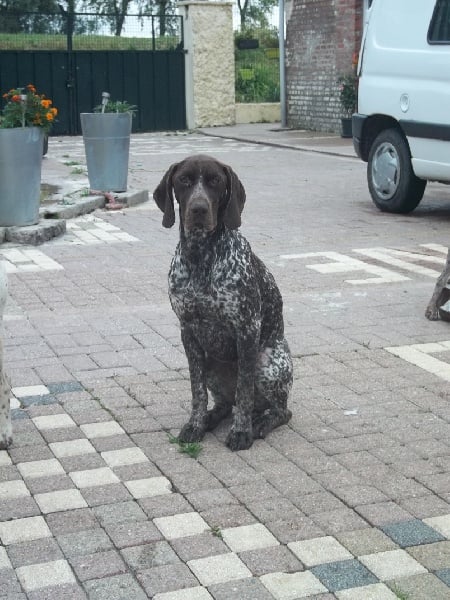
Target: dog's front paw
(189,433)
(5,441)
(432,313)
(239,440)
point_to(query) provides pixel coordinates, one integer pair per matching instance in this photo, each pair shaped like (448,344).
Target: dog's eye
(214,180)
(184,180)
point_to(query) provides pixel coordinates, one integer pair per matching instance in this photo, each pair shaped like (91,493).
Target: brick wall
(321,39)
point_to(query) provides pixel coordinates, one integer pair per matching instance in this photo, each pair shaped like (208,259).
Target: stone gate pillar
(208,38)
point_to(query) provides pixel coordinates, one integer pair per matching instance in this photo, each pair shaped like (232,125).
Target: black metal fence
(89,31)
(74,57)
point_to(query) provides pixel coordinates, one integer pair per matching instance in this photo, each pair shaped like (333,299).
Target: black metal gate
(74,78)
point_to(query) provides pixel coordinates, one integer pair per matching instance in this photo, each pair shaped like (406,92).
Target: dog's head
(208,192)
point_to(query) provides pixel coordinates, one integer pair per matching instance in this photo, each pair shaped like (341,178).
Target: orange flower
(46,103)
(54,111)
(15,98)
(49,116)
(31,88)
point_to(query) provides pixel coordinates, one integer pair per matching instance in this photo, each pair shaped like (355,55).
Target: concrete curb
(53,217)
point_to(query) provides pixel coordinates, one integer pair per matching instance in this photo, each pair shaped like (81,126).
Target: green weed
(192,449)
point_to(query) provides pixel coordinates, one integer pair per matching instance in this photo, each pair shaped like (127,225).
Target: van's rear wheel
(392,183)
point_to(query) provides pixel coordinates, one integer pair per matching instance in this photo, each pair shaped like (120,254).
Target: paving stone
(444,575)
(153,486)
(181,525)
(40,468)
(9,584)
(420,587)
(33,577)
(98,565)
(69,591)
(106,494)
(64,386)
(132,533)
(71,521)
(286,586)
(269,560)
(5,562)
(411,533)
(120,587)
(440,524)
(343,574)
(218,569)
(13,489)
(192,593)
(228,515)
(126,456)
(432,556)
(246,589)
(80,543)
(383,513)
(198,546)
(366,541)
(102,429)
(54,421)
(119,512)
(392,564)
(148,556)
(333,522)
(319,550)
(374,591)
(72,448)
(61,500)
(292,531)
(248,537)
(23,530)
(35,551)
(93,477)
(166,578)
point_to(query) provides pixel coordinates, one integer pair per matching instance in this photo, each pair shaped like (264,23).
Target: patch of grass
(47,41)
(400,594)
(77,171)
(215,530)
(192,449)
(71,163)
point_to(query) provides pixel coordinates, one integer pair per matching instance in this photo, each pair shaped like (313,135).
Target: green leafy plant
(192,449)
(117,106)
(26,108)
(215,530)
(400,594)
(348,91)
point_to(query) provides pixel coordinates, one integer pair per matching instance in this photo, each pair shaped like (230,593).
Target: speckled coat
(228,305)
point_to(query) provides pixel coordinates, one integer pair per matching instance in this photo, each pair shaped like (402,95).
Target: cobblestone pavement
(351,500)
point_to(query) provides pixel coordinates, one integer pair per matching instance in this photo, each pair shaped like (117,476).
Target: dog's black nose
(199,210)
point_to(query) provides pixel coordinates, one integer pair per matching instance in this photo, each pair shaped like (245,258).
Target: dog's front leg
(440,293)
(241,434)
(194,429)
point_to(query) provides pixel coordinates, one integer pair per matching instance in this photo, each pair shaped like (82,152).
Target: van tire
(392,183)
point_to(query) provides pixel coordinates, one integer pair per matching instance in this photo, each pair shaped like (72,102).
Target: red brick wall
(321,39)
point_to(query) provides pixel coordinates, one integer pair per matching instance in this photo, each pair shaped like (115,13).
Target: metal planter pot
(106,139)
(20,175)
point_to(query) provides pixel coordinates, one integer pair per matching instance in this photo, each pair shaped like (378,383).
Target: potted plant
(106,136)
(347,97)
(25,119)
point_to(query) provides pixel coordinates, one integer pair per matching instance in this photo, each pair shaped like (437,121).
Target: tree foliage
(16,16)
(254,13)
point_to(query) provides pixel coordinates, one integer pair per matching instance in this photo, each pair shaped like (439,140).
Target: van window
(439,31)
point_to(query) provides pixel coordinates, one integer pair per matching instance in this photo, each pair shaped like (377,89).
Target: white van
(402,128)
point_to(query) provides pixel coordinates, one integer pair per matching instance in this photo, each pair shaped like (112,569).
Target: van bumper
(357,128)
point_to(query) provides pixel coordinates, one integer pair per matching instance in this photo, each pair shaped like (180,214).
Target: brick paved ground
(350,501)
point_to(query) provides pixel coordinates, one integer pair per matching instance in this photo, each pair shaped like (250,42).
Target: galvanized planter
(106,139)
(20,175)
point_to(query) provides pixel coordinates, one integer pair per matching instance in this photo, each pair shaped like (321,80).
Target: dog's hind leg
(221,382)
(272,387)
(440,293)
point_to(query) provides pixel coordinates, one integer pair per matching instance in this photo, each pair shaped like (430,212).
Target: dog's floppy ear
(163,196)
(235,199)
